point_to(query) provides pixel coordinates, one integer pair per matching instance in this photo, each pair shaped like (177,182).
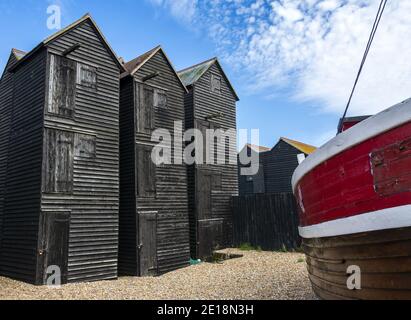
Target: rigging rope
(367,50)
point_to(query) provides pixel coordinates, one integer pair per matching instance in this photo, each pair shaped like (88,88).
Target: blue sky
(291,62)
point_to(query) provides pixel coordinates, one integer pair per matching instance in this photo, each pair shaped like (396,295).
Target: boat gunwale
(378,124)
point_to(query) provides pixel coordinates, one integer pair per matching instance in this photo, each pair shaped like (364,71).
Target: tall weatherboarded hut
(154,229)
(60,140)
(280,163)
(210,105)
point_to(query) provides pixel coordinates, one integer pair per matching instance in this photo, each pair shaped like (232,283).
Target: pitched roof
(134,65)
(192,74)
(303,147)
(257,148)
(11,60)
(18,53)
(64,31)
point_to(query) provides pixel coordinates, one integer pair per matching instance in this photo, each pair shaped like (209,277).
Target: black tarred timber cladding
(6,104)
(18,257)
(62,185)
(276,170)
(279,166)
(269,221)
(154,236)
(211,186)
(251,184)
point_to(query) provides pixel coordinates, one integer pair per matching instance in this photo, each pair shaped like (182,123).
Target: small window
(215,84)
(62,86)
(146,172)
(85,146)
(58,161)
(160,99)
(87,76)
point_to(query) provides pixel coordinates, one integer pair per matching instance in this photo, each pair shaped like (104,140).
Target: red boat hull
(354,197)
(371,176)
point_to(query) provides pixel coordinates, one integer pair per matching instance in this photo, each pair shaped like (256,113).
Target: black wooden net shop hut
(60,138)
(210,104)
(6,103)
(154,230)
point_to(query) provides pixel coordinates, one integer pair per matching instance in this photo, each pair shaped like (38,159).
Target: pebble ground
(257,275)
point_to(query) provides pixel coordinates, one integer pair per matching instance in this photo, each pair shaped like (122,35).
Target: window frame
(156,100)
(216,89)
(93,88)
(89,137)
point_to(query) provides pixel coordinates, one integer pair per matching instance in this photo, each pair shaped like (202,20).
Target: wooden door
(146,172)
(204,201)
(148,244)
(209,229)
(145,109)
(209,235)
(56,241)
(58,161)
(62,86)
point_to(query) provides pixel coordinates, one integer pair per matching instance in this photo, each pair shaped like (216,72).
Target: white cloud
(312,46)
(183,10)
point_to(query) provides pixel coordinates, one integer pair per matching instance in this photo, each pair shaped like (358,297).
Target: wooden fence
(269,221)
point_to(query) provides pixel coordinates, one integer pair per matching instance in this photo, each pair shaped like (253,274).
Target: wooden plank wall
(127,261)
(6,107)
(266,220)
(279,166)
(191,169)
(23,180)
(257,184)
(171,199)
(205,103)
(94,202)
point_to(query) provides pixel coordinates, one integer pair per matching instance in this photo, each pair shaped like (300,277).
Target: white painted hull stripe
(371,127)
(391,218)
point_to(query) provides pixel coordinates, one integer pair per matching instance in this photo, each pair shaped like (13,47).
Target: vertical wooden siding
(266,220)
(94,202)
(23,181)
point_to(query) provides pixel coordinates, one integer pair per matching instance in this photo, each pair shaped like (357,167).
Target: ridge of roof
(257,148)
(66,29)
(134,65)
(303,147)
(198,64)
(192,74)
